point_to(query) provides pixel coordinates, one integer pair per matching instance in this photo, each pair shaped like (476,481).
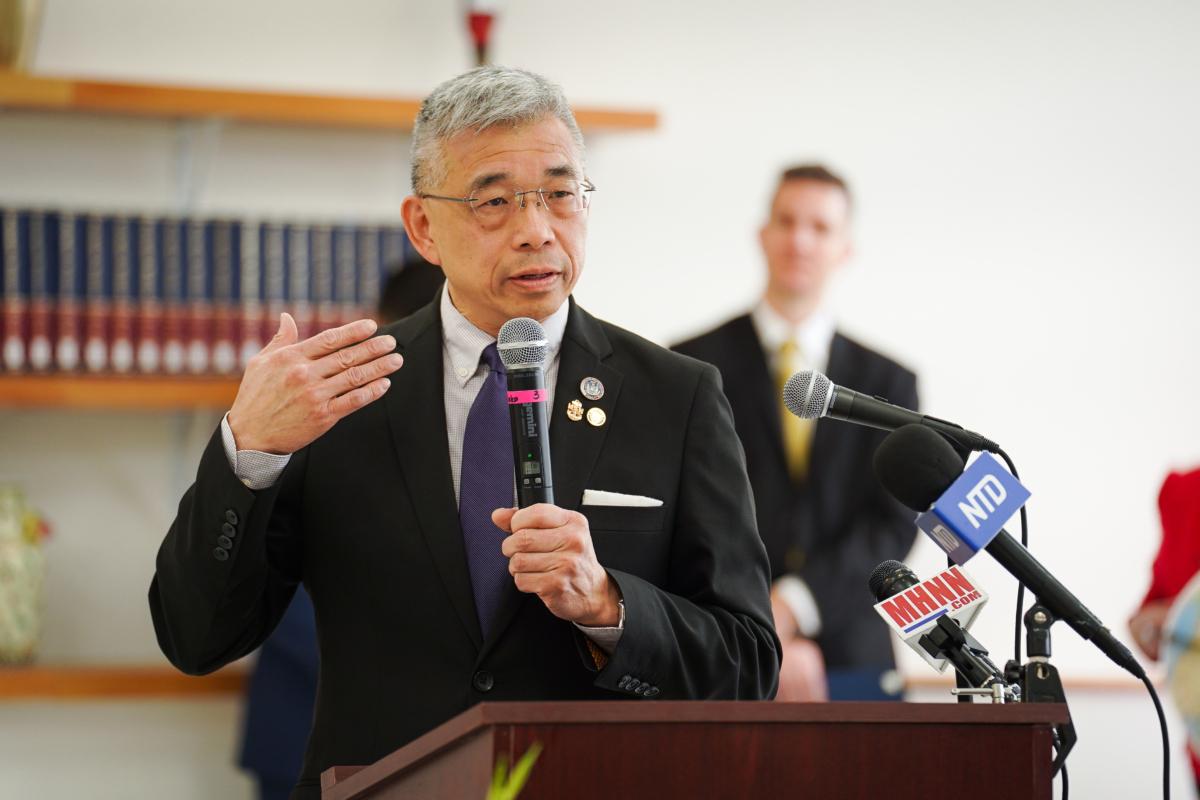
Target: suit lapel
(754,385)
(574,446)
(416,413)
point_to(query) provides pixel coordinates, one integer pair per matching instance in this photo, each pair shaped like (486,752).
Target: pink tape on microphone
(527,396)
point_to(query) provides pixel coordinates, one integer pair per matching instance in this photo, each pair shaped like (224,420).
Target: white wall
(1025,175)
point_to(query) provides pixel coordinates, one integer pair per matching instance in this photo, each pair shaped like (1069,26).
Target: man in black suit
(647,578)
(824,518)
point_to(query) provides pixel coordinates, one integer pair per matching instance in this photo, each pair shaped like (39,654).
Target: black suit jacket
(366,517)
(834,528)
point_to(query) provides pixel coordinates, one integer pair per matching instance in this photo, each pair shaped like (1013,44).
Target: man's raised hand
(293,392)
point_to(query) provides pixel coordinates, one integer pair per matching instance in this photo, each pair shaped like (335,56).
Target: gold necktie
(797,433)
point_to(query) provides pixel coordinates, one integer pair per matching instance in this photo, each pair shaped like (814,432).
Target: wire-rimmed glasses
(494,205)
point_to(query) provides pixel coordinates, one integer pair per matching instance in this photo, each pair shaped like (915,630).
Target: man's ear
(417,225)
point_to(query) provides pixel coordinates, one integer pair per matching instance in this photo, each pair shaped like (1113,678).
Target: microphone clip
(1039,679)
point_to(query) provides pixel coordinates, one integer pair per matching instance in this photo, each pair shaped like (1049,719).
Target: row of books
(107,293)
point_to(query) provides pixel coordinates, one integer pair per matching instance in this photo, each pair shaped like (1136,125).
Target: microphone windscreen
(915,464)
(522,343)
(806,394)
(890,578)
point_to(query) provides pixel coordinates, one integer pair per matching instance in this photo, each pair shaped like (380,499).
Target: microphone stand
(1039,679)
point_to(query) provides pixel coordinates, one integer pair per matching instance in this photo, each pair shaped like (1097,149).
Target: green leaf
(505,785)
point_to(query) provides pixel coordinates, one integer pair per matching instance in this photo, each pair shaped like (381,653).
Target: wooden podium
(666,750)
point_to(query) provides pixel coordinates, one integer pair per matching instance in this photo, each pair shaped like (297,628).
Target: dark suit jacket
(833,529)
(366,517)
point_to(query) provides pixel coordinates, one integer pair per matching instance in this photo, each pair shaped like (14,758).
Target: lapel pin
(574,411)
(592,389)
(596,417)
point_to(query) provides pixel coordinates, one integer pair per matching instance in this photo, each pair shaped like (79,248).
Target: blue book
(224,235)
(345,273)
(150,296)
(299,278)
(124,294)
(71,268)
(250,288)
(370,268)
(97,291)
(173,254)
(199,271)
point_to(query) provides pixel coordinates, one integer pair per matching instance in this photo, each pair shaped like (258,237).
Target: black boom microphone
(811,395)
(916,466)
(522,347)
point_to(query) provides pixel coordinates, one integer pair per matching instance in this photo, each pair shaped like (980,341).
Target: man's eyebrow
(563,171)
(484,181)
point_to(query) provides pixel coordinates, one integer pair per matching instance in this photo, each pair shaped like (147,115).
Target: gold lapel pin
(574,411)
(596,417)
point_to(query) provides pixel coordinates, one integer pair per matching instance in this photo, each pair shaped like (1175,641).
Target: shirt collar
(465,343)
(814,334)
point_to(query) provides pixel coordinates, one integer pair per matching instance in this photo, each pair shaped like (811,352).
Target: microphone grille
(522,343)
(806,394)
(889,578)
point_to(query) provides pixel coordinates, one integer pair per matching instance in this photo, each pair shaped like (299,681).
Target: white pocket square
(595,497)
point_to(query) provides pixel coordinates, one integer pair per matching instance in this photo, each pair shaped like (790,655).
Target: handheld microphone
(811,395)
(522,347)
(938,637)
(917,466)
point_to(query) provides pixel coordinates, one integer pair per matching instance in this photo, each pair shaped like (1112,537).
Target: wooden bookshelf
(117,393)
(116,682)
(24,91)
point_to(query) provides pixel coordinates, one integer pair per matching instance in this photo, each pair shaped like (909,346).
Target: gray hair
(478,100)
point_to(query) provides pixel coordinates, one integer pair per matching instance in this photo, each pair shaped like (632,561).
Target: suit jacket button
(621,684)
(231,516)
(221,554)
(483,681)
(651,692)
(229,530)
(225,541)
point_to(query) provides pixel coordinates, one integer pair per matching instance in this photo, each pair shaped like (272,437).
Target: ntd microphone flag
(972,511)
(912,612)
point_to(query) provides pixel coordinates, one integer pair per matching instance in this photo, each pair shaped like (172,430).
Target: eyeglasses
(494,206)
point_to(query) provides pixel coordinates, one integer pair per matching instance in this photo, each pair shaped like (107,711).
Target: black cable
(1020,586)
(1066,784)
(1166,739)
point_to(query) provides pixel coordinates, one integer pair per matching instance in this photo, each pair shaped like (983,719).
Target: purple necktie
(486,483)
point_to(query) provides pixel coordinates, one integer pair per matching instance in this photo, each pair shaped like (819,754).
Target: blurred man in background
(824,518)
